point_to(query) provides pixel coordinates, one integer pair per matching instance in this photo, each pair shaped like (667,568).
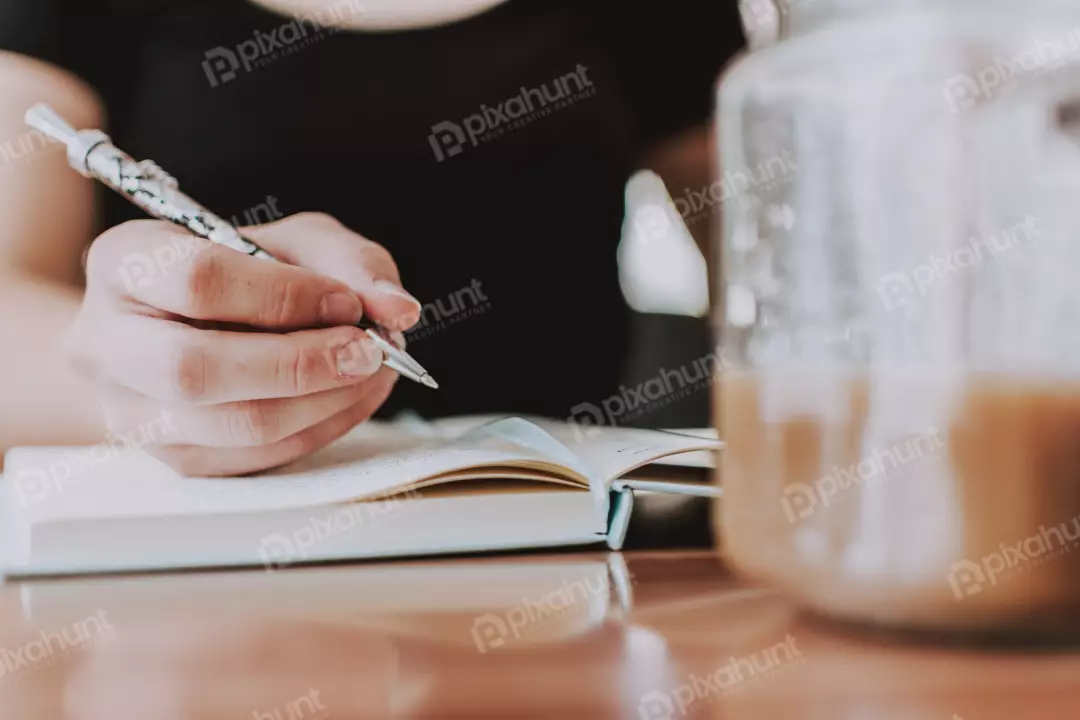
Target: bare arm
(46,221)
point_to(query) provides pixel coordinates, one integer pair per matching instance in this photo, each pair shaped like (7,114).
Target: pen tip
(430,382)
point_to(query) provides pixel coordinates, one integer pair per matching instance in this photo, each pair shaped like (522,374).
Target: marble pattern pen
(92,154)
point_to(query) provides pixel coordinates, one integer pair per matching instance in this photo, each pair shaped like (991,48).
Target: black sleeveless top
(489,155)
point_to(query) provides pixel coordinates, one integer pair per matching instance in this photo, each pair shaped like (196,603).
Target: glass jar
(899,309)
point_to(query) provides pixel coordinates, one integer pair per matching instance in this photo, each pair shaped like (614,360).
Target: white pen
(92,154)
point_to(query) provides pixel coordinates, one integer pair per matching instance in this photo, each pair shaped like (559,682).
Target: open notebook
(456,486)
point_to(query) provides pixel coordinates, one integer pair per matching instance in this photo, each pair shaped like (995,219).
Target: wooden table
(503,637)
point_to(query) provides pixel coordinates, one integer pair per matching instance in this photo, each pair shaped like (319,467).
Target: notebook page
(600,454)
(613,452)
(128,484)
(570,433)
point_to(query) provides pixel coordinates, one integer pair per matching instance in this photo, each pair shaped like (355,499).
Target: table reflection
(668,636)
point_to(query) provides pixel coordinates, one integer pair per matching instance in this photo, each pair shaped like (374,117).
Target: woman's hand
(253,363)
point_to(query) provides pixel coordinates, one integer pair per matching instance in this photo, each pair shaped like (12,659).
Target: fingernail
(341,309)
(359,358)
(392,288)
(405,318)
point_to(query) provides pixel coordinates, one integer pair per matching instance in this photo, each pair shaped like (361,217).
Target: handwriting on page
(636,450)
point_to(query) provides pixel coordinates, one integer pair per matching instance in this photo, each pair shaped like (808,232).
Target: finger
(251,423)
(172,362)
(212,462)
(321,243)
(163,267)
